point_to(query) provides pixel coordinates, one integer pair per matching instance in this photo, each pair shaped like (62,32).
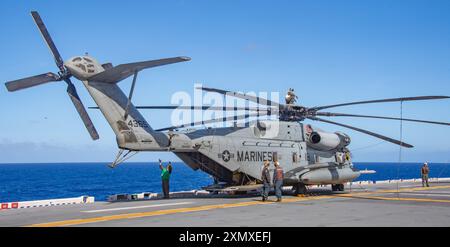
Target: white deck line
(137,207)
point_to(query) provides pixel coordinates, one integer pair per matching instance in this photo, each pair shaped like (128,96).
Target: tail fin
(131,129)
(122,71)
(133,133)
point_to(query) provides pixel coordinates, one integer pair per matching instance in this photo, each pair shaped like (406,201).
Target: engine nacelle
(327,141)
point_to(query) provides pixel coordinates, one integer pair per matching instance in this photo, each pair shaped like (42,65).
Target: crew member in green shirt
(165,177)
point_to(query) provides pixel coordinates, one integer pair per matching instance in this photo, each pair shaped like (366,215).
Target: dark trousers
(278,187)
(165,188)
(265,190)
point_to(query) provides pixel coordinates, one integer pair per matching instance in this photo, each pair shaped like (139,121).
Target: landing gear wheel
(300,189)
(337,187)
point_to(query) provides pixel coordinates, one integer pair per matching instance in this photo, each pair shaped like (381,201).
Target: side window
(294,157)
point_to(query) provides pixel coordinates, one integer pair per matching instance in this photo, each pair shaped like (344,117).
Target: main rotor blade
(243,96)
(81,110)
(365,132)
(215,120)
(331,114)
(213,108)
(31,81)
(48,39)
(317,108)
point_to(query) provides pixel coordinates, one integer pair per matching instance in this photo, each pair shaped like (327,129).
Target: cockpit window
(87,59)
(77,59)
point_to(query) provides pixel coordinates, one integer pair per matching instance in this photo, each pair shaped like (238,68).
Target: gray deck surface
(367,205)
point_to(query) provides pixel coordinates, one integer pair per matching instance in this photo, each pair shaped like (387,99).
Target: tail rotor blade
(81,110)
(48,39)
(31,81)
(49,77)
(365,132)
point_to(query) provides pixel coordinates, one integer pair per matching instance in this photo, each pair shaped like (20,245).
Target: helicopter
(232,155)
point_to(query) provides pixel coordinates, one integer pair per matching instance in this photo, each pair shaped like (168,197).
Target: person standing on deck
(165,177)
(424,172)
(265,178)
(278,177)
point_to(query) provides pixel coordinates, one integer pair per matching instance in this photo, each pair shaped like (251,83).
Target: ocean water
(21,182)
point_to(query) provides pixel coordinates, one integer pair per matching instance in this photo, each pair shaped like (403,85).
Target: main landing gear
(120,157)
(337,187)
(300,189)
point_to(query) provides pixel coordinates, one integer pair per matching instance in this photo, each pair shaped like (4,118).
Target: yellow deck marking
(400,190)
(398,198)
(169,211)
(232,205)
(363,195)
(146,214)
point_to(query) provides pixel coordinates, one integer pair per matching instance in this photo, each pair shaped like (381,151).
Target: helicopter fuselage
(235,155)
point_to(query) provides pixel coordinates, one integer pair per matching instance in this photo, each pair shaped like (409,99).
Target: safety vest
(279,174)
(165,174)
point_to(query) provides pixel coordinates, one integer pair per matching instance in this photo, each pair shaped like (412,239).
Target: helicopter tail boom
(131,129)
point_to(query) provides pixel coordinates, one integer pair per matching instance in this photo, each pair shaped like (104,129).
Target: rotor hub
(83,67)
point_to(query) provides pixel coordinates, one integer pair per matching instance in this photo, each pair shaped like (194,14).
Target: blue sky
(329,51)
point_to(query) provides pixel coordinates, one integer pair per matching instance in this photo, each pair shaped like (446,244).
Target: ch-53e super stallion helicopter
(232,155)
